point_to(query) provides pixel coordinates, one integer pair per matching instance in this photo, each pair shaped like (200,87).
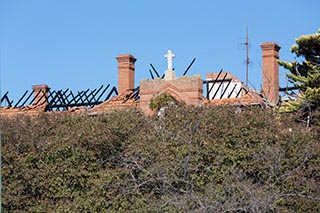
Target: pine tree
(305,75)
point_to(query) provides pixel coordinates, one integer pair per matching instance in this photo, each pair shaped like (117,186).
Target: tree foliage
(162,100)
(305,74)
(191,159)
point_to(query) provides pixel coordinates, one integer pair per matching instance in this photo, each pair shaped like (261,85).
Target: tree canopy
(305,75)
(192,159)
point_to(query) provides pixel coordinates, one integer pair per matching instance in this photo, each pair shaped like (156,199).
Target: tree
(305,75)
(192,159)
(162,100)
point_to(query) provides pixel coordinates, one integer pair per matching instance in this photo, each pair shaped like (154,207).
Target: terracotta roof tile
(122,101)
(29,109)
(251,97)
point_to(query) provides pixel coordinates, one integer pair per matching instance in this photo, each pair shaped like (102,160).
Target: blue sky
(73,43)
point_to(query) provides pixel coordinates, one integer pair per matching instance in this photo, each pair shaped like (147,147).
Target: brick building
(220,88)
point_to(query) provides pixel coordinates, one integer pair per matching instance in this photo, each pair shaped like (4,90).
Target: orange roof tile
(29,109)
(122,101)
(251,97)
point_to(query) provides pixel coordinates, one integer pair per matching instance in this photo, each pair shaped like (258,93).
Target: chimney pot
(40,94)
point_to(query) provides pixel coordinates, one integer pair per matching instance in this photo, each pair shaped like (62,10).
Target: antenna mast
(247,55)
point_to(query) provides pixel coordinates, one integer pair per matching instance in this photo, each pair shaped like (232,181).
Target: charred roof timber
(61,100)
(157,73)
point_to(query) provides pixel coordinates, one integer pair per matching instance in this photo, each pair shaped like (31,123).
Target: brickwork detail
(185,89)
(270,71)
(125,72)
(40,93)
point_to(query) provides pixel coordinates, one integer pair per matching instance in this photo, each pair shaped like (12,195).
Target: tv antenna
(247,56)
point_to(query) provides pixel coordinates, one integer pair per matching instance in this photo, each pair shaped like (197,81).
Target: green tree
(305,74)
(162,100)
(191,159)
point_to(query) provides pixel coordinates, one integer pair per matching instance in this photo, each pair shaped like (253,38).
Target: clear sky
(73,43)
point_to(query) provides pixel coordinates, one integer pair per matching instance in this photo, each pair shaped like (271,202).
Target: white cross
(169,56)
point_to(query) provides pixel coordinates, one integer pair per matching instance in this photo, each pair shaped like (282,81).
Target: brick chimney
(270,71)
(125,72)
(40,94)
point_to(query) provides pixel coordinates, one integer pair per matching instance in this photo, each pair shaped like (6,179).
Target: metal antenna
(0,138)
(247,56)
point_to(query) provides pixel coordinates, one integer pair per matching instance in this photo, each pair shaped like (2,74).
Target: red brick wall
(270,71)
(40,93)
(185,89)
(125,72)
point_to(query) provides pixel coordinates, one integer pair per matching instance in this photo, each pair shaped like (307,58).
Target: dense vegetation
(189,159)
(305,75)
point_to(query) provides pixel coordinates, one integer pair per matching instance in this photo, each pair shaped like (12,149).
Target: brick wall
(184,89)
(125,72)
(270,71)
(40,93)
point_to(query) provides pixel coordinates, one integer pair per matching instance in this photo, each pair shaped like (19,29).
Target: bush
(191,159)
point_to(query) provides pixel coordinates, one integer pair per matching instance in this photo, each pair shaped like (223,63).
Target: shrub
(191,159)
